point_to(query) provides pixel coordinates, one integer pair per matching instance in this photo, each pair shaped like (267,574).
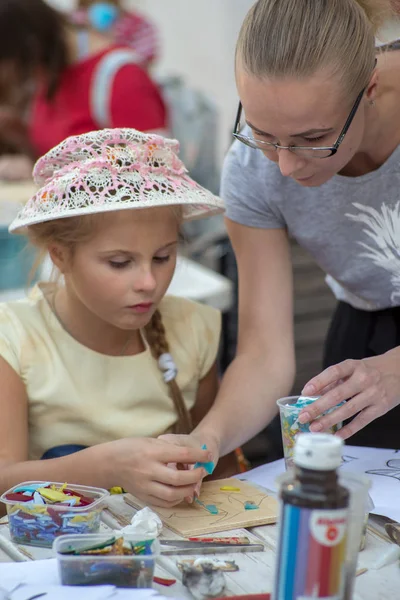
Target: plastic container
(39,524)
(135,571)
(291,428)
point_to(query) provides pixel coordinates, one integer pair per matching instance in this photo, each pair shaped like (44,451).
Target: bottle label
(311,554)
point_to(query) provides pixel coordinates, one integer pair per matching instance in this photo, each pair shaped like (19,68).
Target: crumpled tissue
(145,524)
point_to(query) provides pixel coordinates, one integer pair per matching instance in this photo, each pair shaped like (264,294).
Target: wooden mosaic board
(190,520)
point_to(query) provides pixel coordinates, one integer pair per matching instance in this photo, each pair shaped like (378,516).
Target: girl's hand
(371,386)
(194,440)
(140,466)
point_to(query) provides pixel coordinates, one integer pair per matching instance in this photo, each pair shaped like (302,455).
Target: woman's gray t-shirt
(351,226)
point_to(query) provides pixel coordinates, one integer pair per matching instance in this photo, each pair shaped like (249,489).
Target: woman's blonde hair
(72,231)
(297,38)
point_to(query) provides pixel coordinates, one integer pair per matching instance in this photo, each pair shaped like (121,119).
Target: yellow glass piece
(79,519)
(228,488)
(55,495)
(39,509)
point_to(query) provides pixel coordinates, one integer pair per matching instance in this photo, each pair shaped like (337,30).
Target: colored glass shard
(99,546)
(211,508)
(207,466)
(250,506)
(162,581)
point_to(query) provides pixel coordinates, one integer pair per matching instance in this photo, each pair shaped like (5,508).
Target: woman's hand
(371,386)
(15,167)
(140,466)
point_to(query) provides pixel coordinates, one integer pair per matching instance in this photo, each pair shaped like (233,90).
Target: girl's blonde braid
(155,335)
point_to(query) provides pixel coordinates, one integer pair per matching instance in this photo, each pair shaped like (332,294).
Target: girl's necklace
(52,302)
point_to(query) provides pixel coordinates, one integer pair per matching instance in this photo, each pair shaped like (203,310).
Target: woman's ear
(372,88)
(60,257)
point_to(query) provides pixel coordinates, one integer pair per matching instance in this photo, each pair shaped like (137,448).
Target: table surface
(256,569)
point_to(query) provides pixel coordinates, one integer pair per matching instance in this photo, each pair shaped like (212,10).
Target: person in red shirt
(47,70)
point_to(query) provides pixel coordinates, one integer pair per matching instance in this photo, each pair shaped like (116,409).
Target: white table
(256,569)
(196,282)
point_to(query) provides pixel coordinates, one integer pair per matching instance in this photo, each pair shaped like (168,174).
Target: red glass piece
(68,492)
(85,501)
(55,516)
(166,582)
(18,497)
(27,517)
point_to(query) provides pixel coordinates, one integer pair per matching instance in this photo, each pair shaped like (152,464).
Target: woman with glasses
(317,158)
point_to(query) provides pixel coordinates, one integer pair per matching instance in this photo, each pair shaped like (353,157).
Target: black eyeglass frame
(333,149)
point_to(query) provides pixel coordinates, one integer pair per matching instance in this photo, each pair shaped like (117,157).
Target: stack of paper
(26,580)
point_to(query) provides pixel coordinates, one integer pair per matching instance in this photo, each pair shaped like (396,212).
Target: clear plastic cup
(359,507)
(291,427)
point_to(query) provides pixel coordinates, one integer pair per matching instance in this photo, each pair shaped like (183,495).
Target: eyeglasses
(307,151)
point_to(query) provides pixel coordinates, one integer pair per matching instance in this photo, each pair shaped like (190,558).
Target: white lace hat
(109,170)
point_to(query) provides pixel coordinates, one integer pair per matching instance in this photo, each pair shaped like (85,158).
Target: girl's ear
(60,257)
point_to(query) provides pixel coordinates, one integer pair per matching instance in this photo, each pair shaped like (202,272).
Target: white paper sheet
(58,592)
(382,466)
(266,474)
(38,571)
(41,576)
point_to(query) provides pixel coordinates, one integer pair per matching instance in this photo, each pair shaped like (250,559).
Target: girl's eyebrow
(302,134)
(174,243)
(129,253)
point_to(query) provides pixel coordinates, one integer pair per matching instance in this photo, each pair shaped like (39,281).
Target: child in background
(126,28)
(51,70)
(93,369)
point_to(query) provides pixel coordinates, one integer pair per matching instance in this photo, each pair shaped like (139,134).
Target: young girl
(92,370)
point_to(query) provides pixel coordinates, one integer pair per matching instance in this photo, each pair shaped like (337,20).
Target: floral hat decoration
(109,170)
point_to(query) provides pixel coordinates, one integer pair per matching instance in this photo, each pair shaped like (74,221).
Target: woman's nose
(289,163)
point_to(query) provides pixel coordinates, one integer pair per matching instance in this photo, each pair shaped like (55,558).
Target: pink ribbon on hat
(103,163)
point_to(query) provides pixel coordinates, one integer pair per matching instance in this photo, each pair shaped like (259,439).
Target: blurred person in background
(47,80)
(125,28)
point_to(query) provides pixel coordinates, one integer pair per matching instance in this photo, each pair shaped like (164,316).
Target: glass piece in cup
(289,410)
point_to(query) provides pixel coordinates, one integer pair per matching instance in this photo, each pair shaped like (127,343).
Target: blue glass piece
(250,506)
(208,466)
